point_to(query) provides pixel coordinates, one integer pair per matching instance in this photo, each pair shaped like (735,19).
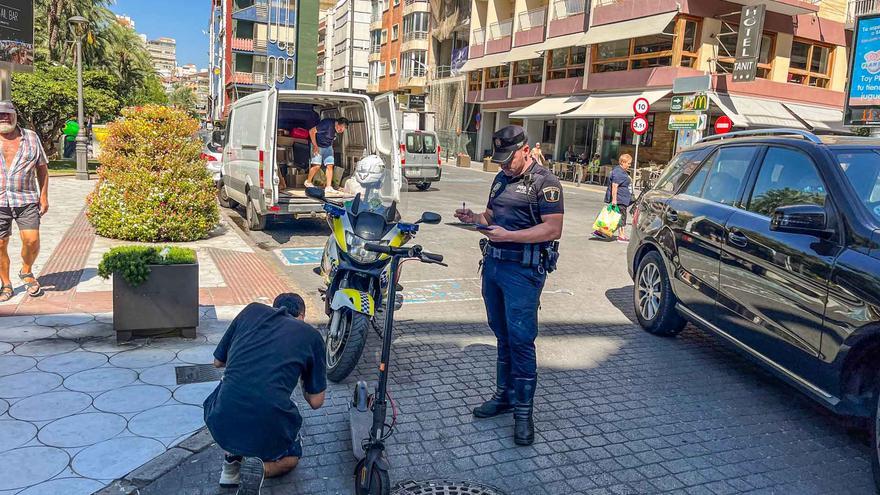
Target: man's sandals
(6,293)
(33,287)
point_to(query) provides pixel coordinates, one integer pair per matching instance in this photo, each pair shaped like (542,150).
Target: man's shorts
(27,217)
(323,157)
(295,449)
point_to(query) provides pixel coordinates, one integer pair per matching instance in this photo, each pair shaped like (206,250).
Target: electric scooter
(368,413)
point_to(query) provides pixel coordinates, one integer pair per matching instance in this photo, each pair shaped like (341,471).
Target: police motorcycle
(358,280)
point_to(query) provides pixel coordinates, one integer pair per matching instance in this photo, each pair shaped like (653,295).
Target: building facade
(350,45)
(325,49)
(570,70)
(163,51)
(258,44)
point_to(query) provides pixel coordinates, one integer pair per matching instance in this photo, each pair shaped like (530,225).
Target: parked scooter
(357,279)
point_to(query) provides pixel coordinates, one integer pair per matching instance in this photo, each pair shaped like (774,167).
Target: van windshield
(420,143)
(862,168)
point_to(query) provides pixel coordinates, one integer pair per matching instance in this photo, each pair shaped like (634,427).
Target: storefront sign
(687,121)
(17,32)
(863,94)
(690,103)
(748,42)
(416,102)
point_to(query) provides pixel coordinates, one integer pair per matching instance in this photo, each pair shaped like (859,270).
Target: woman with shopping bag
(618,196)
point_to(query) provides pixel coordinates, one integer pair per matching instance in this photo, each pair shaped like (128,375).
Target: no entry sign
(641,106)
(639,125)
(723,125)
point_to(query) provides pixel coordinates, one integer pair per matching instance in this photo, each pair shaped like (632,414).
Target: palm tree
(53,36)
(184,98)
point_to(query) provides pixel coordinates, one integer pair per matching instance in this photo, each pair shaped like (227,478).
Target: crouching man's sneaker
(252,474)
(231,474)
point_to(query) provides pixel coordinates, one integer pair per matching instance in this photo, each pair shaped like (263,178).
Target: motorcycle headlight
(357,250)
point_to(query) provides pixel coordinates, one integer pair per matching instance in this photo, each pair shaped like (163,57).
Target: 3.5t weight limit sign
(639,125)
(641,106)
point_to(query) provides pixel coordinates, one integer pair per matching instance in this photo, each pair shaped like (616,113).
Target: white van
(420,156)
(264,161)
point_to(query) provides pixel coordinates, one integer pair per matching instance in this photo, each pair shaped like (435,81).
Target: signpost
(748,42)
(723,125)
(639,126)
(690,103)
(863,89)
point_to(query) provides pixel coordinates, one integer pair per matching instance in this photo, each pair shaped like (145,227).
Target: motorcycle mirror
(315,193)
(430,217)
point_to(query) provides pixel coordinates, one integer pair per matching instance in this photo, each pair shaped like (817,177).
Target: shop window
(567,62)
(690,42)
(810,64)
(727,50)
(497,77)
(647,139)
(650,51)
(528,71)
(475,80)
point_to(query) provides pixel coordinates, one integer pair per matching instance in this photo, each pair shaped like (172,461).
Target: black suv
(771,239)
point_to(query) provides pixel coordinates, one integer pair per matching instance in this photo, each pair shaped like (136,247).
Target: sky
(184,20)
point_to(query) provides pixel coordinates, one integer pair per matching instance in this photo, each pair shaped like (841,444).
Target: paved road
(617,410)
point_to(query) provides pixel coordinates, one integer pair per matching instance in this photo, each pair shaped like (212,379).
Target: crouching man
(266,351)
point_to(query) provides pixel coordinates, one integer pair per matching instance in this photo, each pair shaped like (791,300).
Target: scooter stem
(380,405)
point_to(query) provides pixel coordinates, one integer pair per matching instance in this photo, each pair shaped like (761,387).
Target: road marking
(441,291)
(300,256)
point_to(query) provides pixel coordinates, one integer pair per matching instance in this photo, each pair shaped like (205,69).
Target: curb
(159,466)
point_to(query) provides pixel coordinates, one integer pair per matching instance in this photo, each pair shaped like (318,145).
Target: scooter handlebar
(433,257)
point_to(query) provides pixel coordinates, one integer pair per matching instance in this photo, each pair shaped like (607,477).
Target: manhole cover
(444,487)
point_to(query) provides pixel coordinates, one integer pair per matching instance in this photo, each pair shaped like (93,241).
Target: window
(413,63)
(862,169)
(567,62)
(384,37)
(810,64)
(787,177)
(629,137)
(415,26)
(395,32)
(679,170)
(656,50)
(720,178)
(420,143)
(690,42)
(475,80)
(727,51)
(381,69)
(375,41)
(244,133)
(393,69)
(497,77)
(528,71)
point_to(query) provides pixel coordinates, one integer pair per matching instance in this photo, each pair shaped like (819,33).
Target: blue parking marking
(301,256)
(441,291)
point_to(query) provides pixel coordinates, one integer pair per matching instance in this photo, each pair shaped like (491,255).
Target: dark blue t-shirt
(266,352)
(326,133)
(621,178)
(511,206)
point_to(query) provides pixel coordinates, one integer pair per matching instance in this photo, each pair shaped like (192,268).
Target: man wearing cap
(24,197)
(524,215)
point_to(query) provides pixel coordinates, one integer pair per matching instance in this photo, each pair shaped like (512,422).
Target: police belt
(504,254)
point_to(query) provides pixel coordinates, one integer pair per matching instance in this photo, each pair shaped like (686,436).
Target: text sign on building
(687,121)
(17,32)
(416,102)
(690,103)
(863,91)
(748,42)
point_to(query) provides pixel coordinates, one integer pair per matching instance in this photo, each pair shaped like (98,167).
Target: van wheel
(875,439)
(224,199)
(255,221)
(653,298)
(424,186)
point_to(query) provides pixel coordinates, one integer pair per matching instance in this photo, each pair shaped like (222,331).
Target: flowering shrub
(152,185)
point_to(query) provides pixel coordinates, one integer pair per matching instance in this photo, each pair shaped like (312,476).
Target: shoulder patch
(552,194)
(495,189)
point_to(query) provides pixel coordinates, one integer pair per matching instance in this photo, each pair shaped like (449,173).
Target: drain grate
(444,487)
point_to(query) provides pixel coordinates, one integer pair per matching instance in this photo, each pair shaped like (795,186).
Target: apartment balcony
(410,6)
(414,78)
(373,87)
(415,40)
(531,27)
(856,8)
(477,44)
(499,37)
(251,78)
(243,44)
(495,94)
(376,20)
(568,17)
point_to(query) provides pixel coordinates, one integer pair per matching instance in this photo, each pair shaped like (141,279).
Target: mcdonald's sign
(690,103)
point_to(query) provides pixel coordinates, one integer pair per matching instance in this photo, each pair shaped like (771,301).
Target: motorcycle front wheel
(346,344)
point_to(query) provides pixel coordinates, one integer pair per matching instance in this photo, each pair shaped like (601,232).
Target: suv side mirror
(430,217)
(315,193)
(218,137)
(801,219)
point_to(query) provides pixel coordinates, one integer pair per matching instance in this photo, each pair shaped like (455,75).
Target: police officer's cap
(507,141)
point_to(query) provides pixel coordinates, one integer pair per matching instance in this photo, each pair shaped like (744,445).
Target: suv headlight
(357,249)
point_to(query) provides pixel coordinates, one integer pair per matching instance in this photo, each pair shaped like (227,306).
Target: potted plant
(155,291)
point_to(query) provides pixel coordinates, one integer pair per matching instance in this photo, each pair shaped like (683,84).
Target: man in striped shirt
(24,197)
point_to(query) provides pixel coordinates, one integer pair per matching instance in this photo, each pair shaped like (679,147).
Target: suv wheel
(653,298)
(875,437)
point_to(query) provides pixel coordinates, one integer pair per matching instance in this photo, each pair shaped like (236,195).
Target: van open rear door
(386,137)
(271,131)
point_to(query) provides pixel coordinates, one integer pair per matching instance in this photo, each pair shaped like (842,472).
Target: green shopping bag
(607,221)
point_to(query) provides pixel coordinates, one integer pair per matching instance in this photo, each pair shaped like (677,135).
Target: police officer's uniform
(513,278)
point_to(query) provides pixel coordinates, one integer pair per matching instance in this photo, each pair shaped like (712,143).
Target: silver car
(420,157)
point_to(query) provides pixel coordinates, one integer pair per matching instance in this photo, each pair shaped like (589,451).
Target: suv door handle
(737,238)
(671,215)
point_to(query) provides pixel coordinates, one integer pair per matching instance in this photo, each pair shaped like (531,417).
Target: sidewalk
(78,411)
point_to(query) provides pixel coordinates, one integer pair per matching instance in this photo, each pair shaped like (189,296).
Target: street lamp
(79,23)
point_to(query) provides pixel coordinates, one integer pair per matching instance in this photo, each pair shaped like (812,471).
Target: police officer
(524,215)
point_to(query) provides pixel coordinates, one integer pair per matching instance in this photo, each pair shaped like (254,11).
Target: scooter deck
(360,419)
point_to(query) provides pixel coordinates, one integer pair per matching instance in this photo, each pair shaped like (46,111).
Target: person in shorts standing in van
(322,136)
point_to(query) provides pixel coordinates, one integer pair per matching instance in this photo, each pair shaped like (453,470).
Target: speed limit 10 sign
(639,125)
(641,106)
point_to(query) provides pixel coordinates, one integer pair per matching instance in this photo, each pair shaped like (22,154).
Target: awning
(818,118)
(746,111)
(480,63)
(519,53)
(633,28)
(613,105)
(549,107)
(560,42)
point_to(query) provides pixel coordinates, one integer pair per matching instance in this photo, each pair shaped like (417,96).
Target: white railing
(478,36)
(415,35)
(532,18)
(376,17)
(568,8)
(498,30)
(411,2)
(376,49)
(855,8)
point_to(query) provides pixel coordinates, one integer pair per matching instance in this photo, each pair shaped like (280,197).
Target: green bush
(132,261)
(152,185)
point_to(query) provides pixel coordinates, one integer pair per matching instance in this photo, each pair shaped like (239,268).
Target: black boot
(502,400)
(524,426)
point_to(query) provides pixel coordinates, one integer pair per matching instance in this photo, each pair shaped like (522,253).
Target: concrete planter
(167,303)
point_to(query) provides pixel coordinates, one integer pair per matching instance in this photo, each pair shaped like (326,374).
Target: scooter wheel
(380,481)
